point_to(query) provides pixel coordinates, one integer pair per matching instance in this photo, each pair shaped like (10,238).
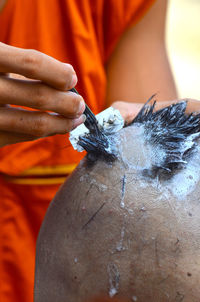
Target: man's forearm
(139,66)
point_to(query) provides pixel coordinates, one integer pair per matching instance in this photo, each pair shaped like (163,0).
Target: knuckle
(129,117)
(62,83)
(32,62)
(66,78)
(117,104)
(75,101)
(41,127)
(68,69)
(41,98)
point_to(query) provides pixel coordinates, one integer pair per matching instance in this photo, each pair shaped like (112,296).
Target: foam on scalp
(170,134)
(111,230)
(98,135)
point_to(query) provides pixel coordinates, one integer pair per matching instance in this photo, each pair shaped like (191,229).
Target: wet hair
(97,143)
(170,128)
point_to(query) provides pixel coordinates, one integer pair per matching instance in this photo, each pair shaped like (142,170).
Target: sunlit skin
(137,68)
(49,92)
(110,231)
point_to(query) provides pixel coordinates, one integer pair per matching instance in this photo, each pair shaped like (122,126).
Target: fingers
(7,138)
(37,124)
(36,95)
(127,110)
(48,93)
(36,65)
(130,110)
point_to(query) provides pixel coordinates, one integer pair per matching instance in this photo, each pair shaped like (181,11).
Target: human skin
(112,231)
(139,65)
(47,92)
(133,62)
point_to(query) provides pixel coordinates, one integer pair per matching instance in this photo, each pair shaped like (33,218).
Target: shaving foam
(110,120)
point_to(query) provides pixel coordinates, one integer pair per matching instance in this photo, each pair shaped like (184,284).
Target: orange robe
(84,34)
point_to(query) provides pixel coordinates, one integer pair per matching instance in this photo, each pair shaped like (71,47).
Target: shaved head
(128,228)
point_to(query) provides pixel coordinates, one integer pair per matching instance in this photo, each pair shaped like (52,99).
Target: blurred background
(183,43)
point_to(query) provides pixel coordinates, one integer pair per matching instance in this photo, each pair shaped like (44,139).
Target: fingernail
(53,113)
(79,121)
(74,81)
(81,107)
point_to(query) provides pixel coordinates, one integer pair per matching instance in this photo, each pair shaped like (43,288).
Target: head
(128,228)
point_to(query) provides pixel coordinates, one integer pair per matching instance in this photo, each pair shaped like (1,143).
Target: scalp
(111,230)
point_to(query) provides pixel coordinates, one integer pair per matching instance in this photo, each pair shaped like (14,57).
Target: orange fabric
(22,209)
(83,33)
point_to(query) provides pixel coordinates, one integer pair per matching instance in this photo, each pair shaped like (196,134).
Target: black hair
(169,128)
(173,130)
(97,143)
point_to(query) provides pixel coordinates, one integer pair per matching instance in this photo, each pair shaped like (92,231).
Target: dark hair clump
(97,143)
(170,128)
(173,130)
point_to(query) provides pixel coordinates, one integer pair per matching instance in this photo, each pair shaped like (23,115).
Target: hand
(47,91)
(127,110)
(130,110)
